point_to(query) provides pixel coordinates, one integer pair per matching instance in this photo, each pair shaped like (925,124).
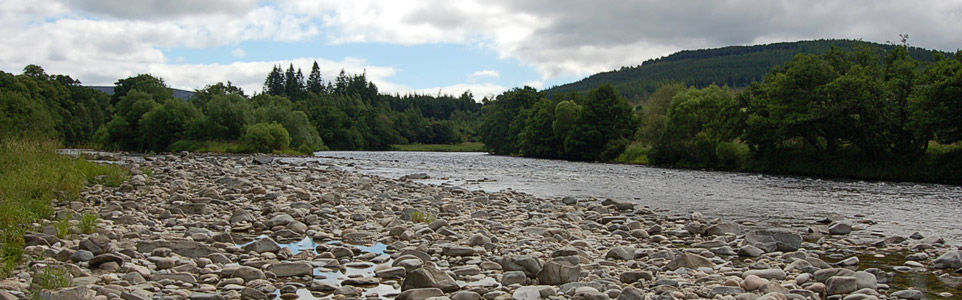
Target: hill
(179,94)
(734,66)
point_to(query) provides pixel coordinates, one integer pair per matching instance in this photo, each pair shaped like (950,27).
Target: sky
(427,46)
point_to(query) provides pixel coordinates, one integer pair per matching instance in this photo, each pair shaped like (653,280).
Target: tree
(938,105)
(602,131)
(274,84)
(166,124)
(694,127)
(153,86)
(500,131)
(315,83)
(538,138)
(266,137)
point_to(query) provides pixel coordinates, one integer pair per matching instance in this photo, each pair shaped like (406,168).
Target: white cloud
(486,73)
(238,53)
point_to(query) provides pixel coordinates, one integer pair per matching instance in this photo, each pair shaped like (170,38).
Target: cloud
(162,9)
(486,73)
(238,53)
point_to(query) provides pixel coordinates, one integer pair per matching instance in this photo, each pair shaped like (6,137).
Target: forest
(869,112)
(733,66)
(293,114)
(859,110)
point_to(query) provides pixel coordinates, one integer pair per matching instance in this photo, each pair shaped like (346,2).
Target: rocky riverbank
(237,227)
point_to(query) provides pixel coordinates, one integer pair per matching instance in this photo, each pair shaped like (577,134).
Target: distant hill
(179,94)
(735,66)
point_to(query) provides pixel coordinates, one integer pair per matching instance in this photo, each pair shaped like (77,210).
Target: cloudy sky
(485,46)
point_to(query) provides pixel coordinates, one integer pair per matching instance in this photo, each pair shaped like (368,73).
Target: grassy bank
(32,178)
(462,147)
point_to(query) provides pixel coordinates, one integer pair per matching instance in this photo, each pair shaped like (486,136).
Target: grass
(32,177)
(422,217)
(52,277)
(462,147)
(63,226)
(88,223)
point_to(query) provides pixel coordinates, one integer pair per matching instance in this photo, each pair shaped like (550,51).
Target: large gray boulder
(689,261)
(557,273)
(428,276)
(262,245)
(291,269)
(948,260)
(774,240)
(529,265)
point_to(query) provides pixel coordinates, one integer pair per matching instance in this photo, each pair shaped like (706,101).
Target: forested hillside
(733,66)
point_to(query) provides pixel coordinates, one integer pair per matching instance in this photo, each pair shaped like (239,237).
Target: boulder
(262,245)
(556,273)
(774,240)
(689,261)
(420,294)
(527,264)
(246,273)
(839,229)
(185,248)
(291,269)
(948,260)
(841,285)
(621,253)
(724,229)
(777,274)
(428,276)
(619,204)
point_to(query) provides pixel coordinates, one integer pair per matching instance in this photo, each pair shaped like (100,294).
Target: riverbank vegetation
(868,113)
(32,178)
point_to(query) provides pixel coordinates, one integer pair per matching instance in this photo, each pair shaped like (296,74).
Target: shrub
(52,277)
(422,217)
(88,223)
(63,226)
(265,138)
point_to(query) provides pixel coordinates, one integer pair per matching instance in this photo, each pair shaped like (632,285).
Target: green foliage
(733,66)
(419,216)
(265,138)
(32,176)
(693,127)
(55,106)
(939,101)
(166,124)
(51,278)
(63,225)
(603,128)
(88,223)
(146,83)
(501,125)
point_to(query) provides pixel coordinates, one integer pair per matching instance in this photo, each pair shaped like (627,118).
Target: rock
(633,276)
(365,281)
(619,204)
(750,251)
(527,293)
(105,258)
(529,265)
(630,293)
(185,248)
(725,291)
(429,276)
(261,159)
(569,200)
(74,293)
(841,285)
(81,256)
(727,228)
(824,274)
(182,277)
(390,273)
(459,251)
(839,229)
(513,277)
(478,240)
(639,233)
(555,273)
(689,261)
(774,240)
(466,295)
(589,293)
(621,253)
(753,282)
(948,260)
(241,215)
(280,220)
(96,244)
(262,245)
(420,294)
(909,294)
(851,261)
(291,269)
(205,296)
(866,280)
(777,274)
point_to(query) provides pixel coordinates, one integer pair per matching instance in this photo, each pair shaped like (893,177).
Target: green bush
(88,223)
(52,277)
(265,138)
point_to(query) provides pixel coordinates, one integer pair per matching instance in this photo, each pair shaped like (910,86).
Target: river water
(881,207)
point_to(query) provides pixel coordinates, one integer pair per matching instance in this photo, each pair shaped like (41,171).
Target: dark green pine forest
(836,108)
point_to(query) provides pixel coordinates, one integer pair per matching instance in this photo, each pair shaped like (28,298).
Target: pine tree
(274,84)
(314,82)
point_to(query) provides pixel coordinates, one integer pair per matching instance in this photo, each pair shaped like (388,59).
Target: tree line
(293,114)
(867,112)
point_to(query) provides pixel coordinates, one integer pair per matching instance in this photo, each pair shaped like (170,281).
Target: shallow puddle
(334,277)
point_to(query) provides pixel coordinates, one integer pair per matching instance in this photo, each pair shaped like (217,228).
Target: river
(768,200)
